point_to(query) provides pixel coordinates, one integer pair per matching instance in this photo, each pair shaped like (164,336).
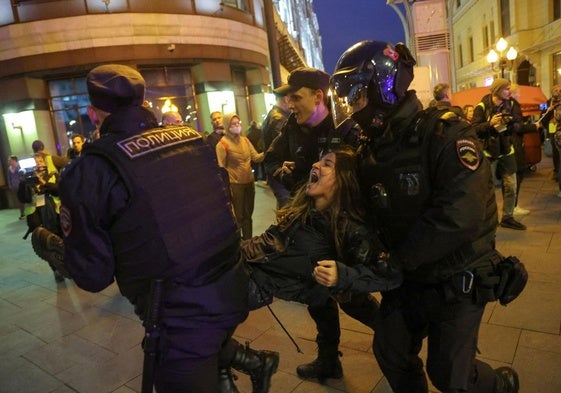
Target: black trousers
(190,359)
(407,316)
(361,307)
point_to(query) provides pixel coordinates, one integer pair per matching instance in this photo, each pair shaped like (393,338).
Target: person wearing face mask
(235,153)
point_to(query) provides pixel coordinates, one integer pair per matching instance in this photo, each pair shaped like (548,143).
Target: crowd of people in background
(295,152)
(505,133)
(550,122)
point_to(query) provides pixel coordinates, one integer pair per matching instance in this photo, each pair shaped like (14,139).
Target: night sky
(342,23)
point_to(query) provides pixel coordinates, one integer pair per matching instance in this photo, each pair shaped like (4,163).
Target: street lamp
(494,57)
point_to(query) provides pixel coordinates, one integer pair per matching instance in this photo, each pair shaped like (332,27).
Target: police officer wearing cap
(145,203)
(434,204)
(308,132)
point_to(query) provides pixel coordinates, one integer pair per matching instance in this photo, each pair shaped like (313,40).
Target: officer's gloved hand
(387,267)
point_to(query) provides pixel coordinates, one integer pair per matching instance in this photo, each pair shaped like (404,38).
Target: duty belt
(466,255)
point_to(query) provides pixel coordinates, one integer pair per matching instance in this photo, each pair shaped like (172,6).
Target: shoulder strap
(430,120)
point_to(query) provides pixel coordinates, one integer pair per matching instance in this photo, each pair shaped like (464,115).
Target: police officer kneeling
(143,205)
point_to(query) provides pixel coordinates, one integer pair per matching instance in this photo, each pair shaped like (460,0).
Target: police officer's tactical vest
(402,187)
(179,222)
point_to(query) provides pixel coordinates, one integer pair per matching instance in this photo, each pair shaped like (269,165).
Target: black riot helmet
(369,81)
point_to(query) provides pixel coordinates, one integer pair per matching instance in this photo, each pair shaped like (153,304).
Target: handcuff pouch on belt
(501,279)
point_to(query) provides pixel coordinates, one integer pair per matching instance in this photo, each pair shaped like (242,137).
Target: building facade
(452,40)
(532,27)
(197,56)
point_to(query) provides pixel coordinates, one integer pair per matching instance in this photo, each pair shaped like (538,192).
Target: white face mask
(236,130)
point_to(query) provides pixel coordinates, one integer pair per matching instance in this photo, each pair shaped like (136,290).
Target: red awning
(530,98)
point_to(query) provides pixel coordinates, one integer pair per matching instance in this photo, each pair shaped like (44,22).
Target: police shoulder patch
(468,154)
(65,220)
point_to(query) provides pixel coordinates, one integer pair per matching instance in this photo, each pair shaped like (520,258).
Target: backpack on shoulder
(25,192)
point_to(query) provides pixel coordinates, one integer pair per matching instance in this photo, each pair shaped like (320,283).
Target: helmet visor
(349,93)
(344,106)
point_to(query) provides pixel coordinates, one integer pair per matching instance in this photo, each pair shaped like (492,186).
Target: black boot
(259,365)
(226,381)
(50,247)
(327,365)
(507,380)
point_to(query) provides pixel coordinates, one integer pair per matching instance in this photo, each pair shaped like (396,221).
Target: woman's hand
(325,273)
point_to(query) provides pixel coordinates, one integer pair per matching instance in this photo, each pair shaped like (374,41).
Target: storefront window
(69,100)
(165,88)
(169,88)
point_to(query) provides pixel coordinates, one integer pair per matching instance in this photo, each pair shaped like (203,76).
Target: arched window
(526,74)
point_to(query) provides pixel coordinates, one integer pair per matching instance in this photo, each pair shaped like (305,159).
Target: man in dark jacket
(217,130)
(441,94)
(307,133)
(496,119)
(434,201)
(272,126)
(255,136)
(131,212)
(275,120)
(78,142)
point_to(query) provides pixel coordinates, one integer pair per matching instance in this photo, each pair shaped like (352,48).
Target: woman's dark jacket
(282,261)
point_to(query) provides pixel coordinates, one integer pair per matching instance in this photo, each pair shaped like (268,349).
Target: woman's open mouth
(314,177)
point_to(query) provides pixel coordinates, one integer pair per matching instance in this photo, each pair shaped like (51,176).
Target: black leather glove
(386,266)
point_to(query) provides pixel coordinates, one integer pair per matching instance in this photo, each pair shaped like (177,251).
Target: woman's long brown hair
(347,201)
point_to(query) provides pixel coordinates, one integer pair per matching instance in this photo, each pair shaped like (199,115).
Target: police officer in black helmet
(433,196)
(144,204)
